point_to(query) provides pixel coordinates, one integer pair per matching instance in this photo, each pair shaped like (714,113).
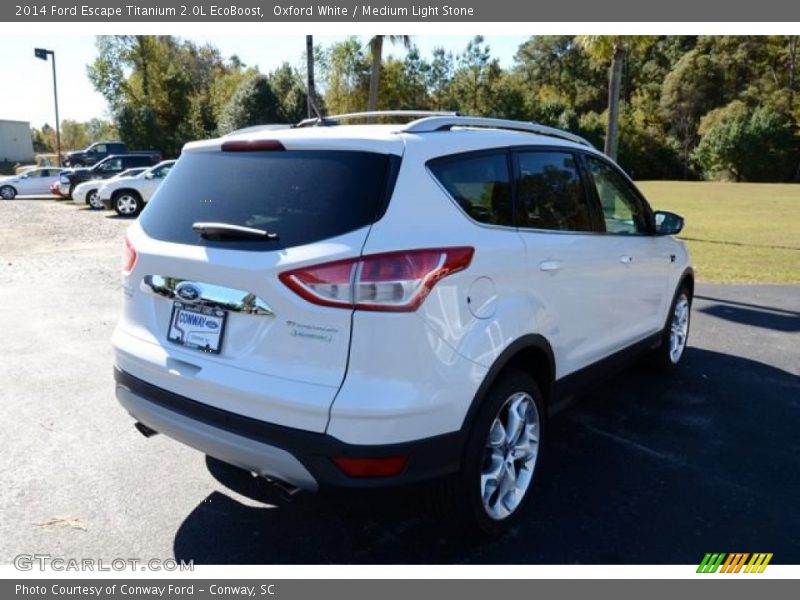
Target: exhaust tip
(144,429)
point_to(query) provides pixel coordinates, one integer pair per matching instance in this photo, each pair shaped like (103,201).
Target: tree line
(668,107)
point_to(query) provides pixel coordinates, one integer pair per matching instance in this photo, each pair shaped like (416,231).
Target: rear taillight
(393,281)
(128,256)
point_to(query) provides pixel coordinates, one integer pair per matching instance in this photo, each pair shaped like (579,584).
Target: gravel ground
(644,470)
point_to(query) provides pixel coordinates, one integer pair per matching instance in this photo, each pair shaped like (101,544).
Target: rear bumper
(301,458)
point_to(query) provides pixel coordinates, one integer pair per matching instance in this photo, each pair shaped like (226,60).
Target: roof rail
(447,122)
(334,119)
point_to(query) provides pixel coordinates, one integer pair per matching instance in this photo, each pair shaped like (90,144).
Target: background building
(16,143)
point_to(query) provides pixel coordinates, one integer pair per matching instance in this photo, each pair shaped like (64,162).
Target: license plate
(197,327)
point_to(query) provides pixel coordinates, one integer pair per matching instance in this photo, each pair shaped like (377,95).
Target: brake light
(252,146)
(392,281)
(128,256)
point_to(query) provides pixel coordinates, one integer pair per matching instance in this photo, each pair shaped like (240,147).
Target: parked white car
(366,306)
(128,195)
(35,182)
(86,192)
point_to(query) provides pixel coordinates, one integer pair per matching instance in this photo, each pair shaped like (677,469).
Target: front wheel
(500,461)
(127,204)
(93,200)
(7,192)
(675,336)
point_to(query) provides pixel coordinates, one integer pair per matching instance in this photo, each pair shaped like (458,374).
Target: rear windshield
(303,196)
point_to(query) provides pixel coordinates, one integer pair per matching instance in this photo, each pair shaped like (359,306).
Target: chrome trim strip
(212,295)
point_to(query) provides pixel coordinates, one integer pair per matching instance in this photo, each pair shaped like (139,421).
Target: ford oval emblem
(211,324)
(188,292)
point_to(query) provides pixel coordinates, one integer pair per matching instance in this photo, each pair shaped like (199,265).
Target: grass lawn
(736,232)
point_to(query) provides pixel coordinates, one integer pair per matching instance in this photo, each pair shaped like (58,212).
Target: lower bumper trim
(246,453)
(301,458)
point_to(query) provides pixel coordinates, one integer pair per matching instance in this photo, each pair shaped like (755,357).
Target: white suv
(128,195)
(376,305)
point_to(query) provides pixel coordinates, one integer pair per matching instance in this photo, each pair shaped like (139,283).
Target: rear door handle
(550,265)
(626,260)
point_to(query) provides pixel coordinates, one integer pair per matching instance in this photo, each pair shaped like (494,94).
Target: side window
(161,172)
(100,149)
(112,165)
(479,184)
(549,192)
(623,210)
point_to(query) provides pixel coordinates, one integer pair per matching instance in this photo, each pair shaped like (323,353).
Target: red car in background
(55,191)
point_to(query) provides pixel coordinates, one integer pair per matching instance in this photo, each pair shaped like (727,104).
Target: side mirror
(149,176)
(667,223)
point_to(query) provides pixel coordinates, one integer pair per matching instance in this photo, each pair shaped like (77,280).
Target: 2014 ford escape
(376,305)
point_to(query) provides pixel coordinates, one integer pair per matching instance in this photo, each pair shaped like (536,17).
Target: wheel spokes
(510,456)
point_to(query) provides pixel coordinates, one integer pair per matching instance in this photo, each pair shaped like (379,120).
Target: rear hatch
(229,331)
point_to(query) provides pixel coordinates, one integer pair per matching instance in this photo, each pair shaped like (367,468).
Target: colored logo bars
(733,563)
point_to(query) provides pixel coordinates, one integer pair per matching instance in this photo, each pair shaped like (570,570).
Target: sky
(31,80)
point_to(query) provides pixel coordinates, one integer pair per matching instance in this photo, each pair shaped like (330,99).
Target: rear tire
(127,203)
(675,336)
(501,458)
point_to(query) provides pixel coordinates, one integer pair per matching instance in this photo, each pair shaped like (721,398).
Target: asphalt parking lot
(647,469)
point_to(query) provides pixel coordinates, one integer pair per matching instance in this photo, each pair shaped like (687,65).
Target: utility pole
(42,54)
(310,75)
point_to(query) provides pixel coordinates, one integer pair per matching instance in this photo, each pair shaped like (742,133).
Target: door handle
(626,260)
(550,265)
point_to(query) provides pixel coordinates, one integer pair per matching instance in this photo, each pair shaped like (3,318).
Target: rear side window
(480,184)
(303,196)
(549,192)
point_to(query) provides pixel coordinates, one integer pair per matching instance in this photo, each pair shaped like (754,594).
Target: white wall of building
(16,144)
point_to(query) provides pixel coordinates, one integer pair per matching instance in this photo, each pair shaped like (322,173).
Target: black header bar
(462,11)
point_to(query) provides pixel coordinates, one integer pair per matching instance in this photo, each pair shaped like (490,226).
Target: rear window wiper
(229,231)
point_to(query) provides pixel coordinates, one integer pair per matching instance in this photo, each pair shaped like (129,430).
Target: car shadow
(757,315)
(648,469)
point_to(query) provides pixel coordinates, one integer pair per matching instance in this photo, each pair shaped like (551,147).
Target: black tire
(72,187)
(663,357)
(457,500)
(127,203)
(7,192)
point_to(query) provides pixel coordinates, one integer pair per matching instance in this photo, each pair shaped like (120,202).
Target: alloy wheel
(127,204)
(510,454)
(679,329)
